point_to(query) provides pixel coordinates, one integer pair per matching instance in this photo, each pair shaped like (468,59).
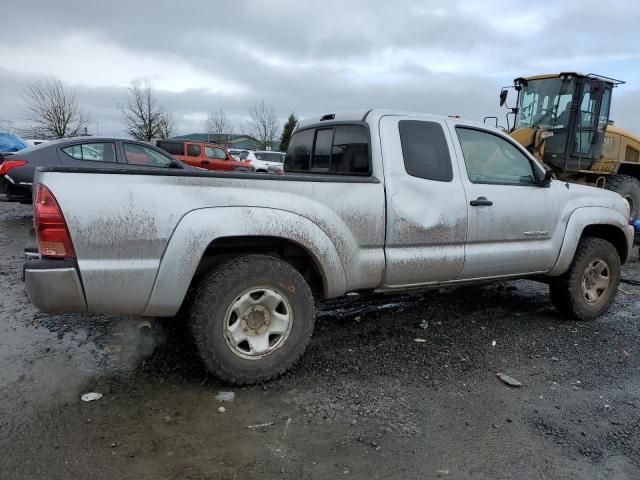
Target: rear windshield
(270,156)
(340,149)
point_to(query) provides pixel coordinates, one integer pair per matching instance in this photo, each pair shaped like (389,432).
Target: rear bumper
(14,192)
(54,286)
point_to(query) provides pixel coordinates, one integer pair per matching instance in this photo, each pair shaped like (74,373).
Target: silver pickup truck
(375,200)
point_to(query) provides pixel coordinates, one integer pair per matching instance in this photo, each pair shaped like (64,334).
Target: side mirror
(503,96)
(549,175)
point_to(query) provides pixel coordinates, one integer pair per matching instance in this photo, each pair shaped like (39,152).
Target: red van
(204,155)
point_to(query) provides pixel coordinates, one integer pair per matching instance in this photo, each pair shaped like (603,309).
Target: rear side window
(193,150)
(92,152)
(425,150)
(174,148)
(275,157)
(343,149)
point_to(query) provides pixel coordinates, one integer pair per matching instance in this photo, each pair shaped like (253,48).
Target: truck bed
(121,223)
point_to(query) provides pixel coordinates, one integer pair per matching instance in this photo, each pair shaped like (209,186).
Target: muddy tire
(588,288)
(252,318)
(628,188)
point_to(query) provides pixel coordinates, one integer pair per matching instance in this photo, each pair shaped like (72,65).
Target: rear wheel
(629,188)
(252,318)
(588,288)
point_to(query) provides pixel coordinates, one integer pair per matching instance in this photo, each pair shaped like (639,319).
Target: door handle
(481,201)
(204,162)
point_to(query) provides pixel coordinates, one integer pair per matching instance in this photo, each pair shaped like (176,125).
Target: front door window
(492,159)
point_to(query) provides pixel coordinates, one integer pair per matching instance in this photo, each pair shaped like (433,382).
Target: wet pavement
(366,401)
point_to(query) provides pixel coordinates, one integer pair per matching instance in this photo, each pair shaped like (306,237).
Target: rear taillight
(51,229)
(9,164)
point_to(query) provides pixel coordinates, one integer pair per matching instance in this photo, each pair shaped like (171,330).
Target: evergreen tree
(292,121)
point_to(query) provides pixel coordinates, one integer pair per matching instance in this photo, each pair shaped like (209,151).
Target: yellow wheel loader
(563,119)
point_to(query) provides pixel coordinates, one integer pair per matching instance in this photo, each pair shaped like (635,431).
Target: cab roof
(373,116)
(575,74)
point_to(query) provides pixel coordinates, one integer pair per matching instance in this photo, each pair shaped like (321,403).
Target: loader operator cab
(573,107)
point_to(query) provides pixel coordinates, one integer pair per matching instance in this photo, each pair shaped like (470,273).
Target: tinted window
(299,151)
(348,152)
(322,151)
(144,156)
(92,152)
(174,148)
(193,150)
(213,152)
(492,159)
(425,150)
(275,157)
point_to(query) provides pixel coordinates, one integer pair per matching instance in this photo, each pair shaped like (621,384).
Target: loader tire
(588,288)
(252,318)
(629,188)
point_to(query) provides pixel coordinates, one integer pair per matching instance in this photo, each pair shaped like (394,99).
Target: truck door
(216,159)
(511,218)
(426,204)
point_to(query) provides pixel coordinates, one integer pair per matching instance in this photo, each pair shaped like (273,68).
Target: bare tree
(218,126)
(6,125)
(143,118)
(52,110)
(263,124)
(166,125)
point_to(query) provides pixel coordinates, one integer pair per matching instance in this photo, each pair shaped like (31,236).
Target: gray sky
(311,57)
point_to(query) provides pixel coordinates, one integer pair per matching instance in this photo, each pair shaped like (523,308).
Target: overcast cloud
(445,57)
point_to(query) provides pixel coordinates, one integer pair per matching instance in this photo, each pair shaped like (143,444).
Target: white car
(238,153)
(261,160)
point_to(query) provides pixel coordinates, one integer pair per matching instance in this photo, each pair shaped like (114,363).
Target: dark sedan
(17,169)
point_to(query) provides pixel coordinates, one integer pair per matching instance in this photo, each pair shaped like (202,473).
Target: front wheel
(252,318)
(589,287)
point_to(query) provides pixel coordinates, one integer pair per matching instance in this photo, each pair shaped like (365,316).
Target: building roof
(211,137)
(234,140)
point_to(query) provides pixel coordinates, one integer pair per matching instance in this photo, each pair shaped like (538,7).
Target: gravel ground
(366,401)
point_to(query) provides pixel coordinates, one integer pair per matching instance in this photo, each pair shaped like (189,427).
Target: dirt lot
(366,401)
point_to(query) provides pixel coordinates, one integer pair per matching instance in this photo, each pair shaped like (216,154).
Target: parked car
(17,169)
(34,141)
(379,200)
(204,155)
(263,159)
(238,154)
(10,142)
